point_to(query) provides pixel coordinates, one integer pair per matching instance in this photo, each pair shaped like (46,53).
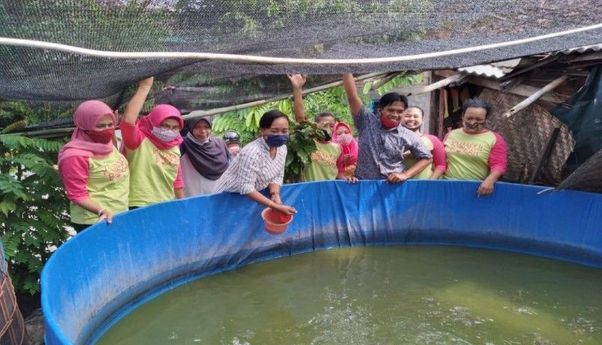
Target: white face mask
(344,139)
(164,134)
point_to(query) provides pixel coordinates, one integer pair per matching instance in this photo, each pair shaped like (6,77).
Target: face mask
(389,123)
(276,140)
(474,125)
(164,134)
(102,137)
(344,139)
(233,150)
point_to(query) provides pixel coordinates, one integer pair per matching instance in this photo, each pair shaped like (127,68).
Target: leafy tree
(33,207)
(300,146)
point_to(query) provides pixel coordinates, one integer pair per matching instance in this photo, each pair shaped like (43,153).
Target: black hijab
(210,158)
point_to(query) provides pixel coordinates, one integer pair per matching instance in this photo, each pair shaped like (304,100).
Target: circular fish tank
(380,263)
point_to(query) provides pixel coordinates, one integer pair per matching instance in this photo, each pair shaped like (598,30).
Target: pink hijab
(154,118)
(86,116)
(349,150)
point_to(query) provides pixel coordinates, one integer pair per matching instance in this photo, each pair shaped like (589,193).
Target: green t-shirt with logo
(153,173)
(323,164)
(468,154)
(108,186)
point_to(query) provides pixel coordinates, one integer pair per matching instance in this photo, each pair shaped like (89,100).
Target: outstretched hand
(297,80)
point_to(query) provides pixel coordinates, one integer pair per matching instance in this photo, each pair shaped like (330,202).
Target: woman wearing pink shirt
(475,152)
(151,146)
(412,119)
(94,173)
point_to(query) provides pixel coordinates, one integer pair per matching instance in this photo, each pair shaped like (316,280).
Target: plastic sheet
(104,272)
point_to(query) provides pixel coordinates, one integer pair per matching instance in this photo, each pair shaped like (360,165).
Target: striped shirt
(253,169)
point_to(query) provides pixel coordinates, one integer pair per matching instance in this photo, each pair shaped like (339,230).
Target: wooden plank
(519,90)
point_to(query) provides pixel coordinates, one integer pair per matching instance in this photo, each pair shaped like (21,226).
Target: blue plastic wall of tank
(104,272)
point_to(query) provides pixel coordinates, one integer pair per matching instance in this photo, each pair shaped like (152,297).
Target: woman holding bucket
(260,164)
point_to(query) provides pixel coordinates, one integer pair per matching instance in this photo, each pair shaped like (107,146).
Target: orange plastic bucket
(275,222)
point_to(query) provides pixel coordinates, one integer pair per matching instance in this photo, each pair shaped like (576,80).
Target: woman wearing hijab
(204,158)
(348,158)
(152,148)
(94,172)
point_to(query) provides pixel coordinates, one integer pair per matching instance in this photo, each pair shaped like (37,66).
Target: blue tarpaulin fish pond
(103,273)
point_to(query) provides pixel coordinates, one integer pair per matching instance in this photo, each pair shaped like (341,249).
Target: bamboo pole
(385,80)
(454,78)
(199,113)
(44,133)
(205,113)
(534,97)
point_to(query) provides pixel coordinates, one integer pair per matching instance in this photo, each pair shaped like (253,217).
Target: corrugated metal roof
(492,70)
(583,49)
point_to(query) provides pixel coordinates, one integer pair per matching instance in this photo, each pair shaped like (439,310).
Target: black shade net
(308,29)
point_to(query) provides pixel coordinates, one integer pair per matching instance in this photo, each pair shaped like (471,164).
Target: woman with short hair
(260,164)
(475,152)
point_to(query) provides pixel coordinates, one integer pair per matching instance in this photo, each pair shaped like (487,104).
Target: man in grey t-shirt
(382,141)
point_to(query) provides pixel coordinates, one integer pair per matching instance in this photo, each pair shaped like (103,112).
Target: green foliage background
(33,207)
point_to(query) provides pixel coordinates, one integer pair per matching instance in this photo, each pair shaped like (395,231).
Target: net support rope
(278,60)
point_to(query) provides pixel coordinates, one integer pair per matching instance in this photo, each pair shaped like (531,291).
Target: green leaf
(7,206)
(367,88)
